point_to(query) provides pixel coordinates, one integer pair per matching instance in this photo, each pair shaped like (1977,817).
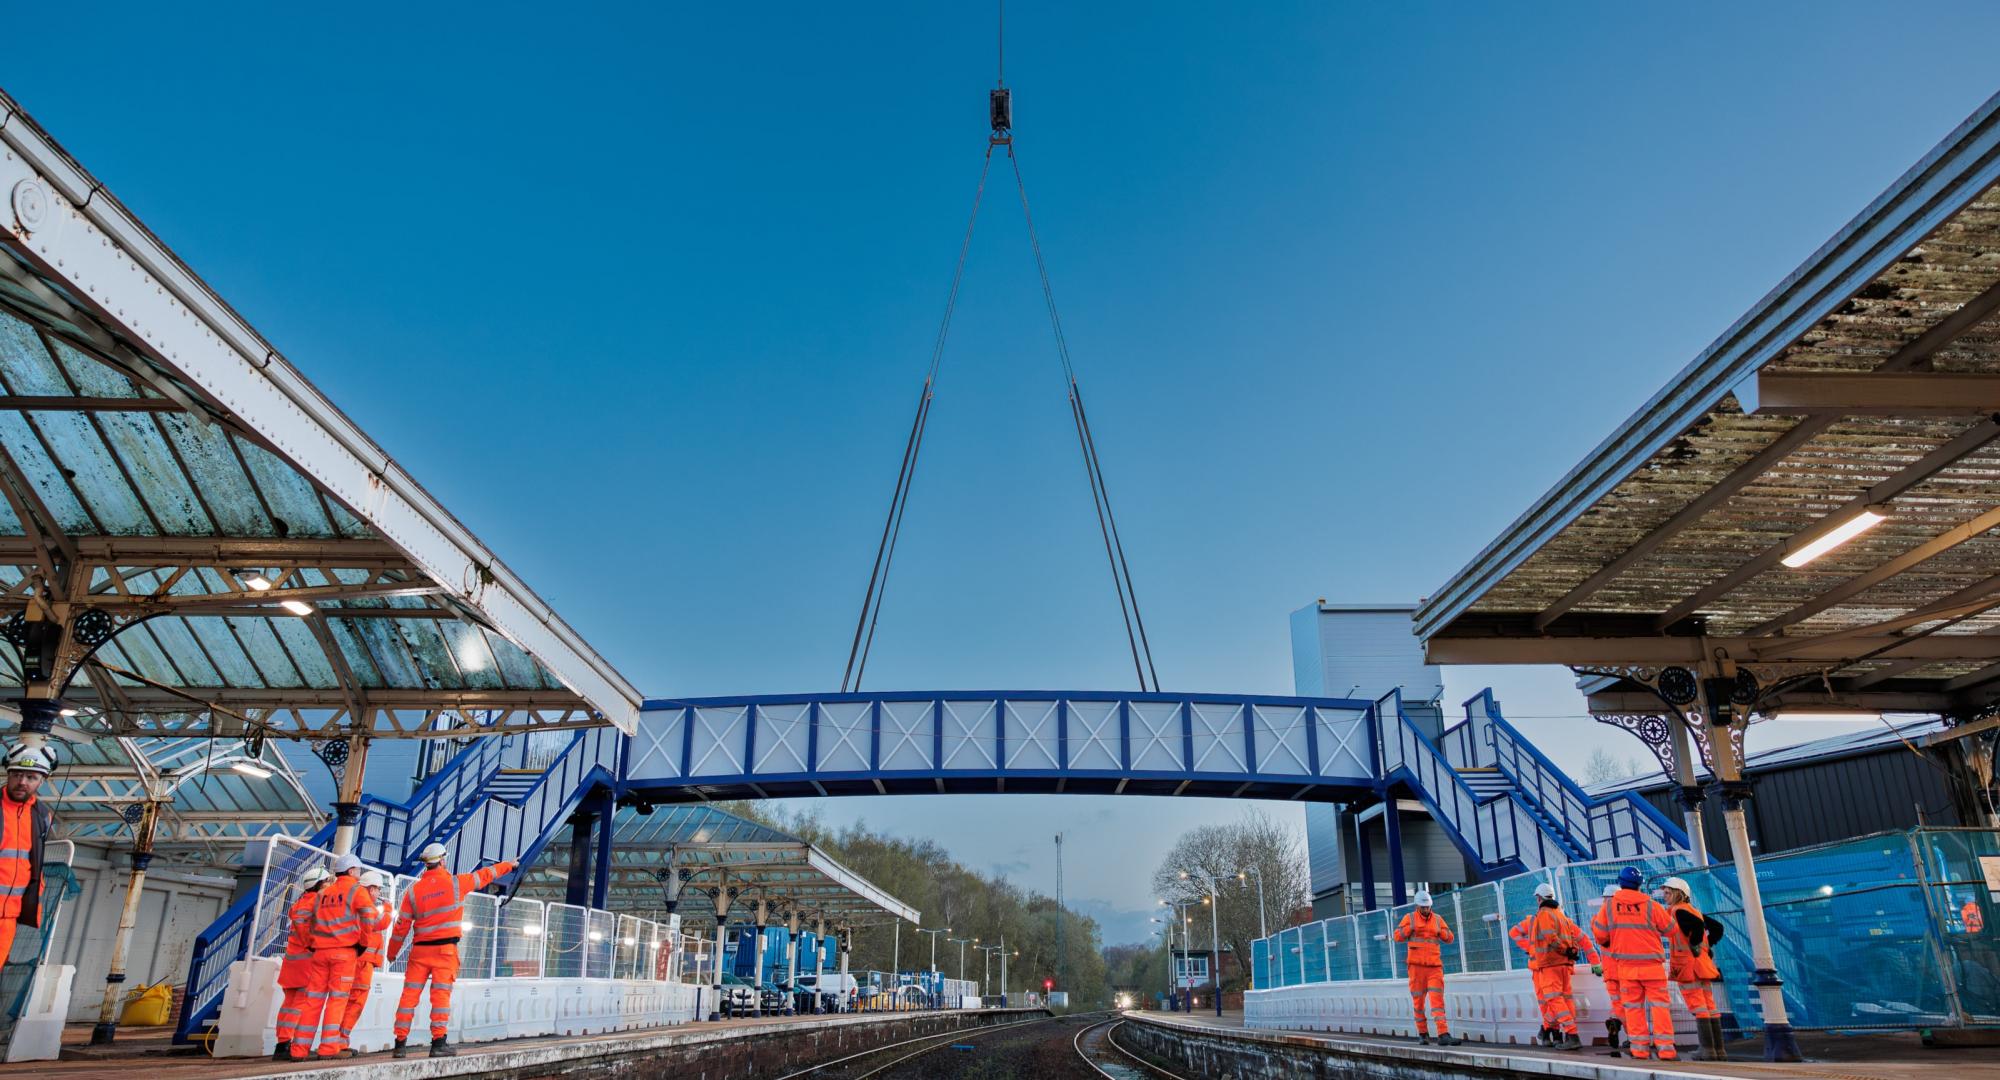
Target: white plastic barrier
(483,1010)
(38,1033)
(1496,1007)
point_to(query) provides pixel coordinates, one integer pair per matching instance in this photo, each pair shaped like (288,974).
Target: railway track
(1100,1050)
(884,1059)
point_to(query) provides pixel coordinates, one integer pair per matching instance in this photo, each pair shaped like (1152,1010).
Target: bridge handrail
(519,829)
(222,943)
(1478,827)
(1580,813)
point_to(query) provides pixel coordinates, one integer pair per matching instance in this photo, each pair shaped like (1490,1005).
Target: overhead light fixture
(66,711)
(254,579)
(296,607)
(251,768)
(1840,534)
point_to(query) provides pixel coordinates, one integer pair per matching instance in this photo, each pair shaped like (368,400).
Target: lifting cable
(1001,115)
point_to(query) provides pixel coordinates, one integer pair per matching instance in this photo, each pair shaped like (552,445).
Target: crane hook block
(1000,108)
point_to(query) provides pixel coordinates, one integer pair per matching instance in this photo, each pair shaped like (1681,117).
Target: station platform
(1831,1057)
(745,1047)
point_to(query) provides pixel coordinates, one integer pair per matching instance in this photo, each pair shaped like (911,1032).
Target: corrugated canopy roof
(714,849)
(172,485)
(1869,380)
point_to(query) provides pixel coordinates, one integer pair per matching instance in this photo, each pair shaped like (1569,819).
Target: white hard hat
(314,875)
(34,759)
(433,852)
(344,863)
(1423,898)
(1610,891)
(1545,891)
(1677,883)
(374,879)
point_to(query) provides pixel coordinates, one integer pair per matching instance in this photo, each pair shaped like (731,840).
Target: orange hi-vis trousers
(1647,1022)
(1552,993)
(438,965)
(1699,997)
(291,1012)
(357,1000)
(1426,979)
(328,982)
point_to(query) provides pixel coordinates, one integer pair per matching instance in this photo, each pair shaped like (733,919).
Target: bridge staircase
(1503,803)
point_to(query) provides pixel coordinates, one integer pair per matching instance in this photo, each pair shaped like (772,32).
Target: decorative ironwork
(1653,729)
(15,630)
(1745,690)
(132,813)
(92,627)
(333,754)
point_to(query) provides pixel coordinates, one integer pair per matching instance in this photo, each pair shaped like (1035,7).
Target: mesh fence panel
(287,860)
(1449,954)
(1399,951)
(1290,960)
(1312,952)
(521,940)
(1260,963)
(398,885)
(625,958)
(1955,867)
(479,935)
(1343,954)
(600,939)
(1485,928)
(567,927)
(1375,944)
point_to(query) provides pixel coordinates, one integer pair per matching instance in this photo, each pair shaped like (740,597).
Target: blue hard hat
(1631,878)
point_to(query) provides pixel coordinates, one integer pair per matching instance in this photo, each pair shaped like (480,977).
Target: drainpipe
(106,1030)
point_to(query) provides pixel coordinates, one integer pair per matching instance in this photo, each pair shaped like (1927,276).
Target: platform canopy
(213,797)
(194,540)
(1813,497)
(714,848)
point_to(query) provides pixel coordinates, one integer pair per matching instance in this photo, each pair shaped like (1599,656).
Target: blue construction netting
(1891,931)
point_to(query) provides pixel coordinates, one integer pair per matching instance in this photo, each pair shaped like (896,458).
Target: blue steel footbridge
(1501,802)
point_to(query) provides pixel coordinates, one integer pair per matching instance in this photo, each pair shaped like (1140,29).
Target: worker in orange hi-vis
(1554,944)
(24,827)
(432,914)
(1425,929)
(336,947)
(1692,966)
(292,976)
(1613,989)
(1632,928)
(1970,917)
(374,932)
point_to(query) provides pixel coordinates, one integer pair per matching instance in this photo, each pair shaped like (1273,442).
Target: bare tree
(1231,859)
(1604,767)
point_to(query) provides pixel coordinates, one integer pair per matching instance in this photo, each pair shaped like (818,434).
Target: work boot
(283,1052)
(1572,1041)
(1709,1031)
(439,1049)
(1448,1039)
(1424,1038)
(1611,1028)
(401,1050)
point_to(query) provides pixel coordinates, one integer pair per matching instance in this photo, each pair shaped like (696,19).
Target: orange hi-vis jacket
(298,940)
(1682,964)
(23,826)
(1972,917)
(374,931)
(433,909)
(1424,931)
(1548,936)
(1631,927)
(337,918)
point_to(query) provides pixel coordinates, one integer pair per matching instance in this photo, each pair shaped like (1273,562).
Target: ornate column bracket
(1651,729)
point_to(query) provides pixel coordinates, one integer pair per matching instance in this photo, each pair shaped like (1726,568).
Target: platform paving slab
(1836,1057)
(150,1051)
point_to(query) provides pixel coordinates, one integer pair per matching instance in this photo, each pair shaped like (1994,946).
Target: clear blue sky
(644,294)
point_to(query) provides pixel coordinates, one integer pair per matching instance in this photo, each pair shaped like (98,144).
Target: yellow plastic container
(147,1006)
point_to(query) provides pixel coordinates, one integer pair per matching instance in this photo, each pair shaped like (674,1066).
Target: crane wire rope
(1107,521)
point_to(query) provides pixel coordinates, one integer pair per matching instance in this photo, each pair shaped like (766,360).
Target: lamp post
(1241,875)
(1167,938)
(989,950)
(935,1003)
(1214,938)
(962,943)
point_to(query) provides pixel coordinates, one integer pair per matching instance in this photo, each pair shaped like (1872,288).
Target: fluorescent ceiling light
(66,711)
(1836,536)
(255,579)
(296,607)
(249,768)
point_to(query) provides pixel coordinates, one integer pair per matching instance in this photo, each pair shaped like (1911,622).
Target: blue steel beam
(1082,742)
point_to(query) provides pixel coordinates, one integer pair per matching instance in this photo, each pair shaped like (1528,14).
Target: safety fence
(34,996)
(499,939)
(1888,931)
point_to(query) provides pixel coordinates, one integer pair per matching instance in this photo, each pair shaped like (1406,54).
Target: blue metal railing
(1614,825)
(1500,834)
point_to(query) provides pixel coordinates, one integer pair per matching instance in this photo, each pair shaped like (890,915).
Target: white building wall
(174,906)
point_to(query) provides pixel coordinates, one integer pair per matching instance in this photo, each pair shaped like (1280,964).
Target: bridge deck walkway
(1846,1057)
